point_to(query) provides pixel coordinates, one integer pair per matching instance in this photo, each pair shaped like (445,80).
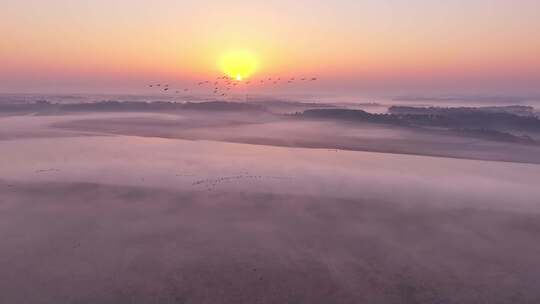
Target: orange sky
(360,46)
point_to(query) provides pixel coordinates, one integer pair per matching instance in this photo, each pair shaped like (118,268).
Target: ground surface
(90,217)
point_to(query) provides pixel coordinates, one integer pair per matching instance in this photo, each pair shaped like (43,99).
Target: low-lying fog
(250,208)
(289,131)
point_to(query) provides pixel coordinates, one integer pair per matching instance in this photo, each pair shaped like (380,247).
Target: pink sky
(353,46)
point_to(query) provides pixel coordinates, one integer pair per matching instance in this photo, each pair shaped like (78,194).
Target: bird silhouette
(221,84)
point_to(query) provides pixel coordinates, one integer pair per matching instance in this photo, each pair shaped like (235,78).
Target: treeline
(497,118)
(451,118)
(515,109)
(489,125)
(119,106)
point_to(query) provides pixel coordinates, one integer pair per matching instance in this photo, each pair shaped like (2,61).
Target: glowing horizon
(396,45)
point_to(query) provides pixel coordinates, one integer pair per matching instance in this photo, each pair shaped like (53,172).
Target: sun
(238,64)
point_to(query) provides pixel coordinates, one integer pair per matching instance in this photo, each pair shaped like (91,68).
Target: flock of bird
(222,85)
(211,183)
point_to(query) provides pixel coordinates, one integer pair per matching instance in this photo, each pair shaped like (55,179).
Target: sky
(353,46)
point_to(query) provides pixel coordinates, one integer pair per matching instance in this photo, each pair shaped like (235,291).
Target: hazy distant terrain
(267,203)
(490,133)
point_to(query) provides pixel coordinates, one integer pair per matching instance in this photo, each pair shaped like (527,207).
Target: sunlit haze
(484,46)
(268,152)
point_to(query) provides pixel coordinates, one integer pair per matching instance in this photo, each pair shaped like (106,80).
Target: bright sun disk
(238,64)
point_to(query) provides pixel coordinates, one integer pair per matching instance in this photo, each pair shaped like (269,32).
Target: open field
(156,208)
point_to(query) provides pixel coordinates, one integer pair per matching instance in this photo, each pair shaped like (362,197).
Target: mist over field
(268,202)
(270,152)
